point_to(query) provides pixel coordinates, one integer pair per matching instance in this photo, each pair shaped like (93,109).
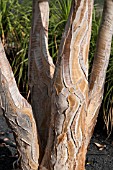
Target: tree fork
(70,93)
(72,102)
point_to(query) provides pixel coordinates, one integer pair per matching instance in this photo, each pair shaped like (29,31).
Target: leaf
(100,146)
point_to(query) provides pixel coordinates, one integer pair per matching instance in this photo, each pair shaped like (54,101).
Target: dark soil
(99,156)
(100,153)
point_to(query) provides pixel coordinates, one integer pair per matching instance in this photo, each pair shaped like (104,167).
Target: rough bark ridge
(70,93)
(41,69)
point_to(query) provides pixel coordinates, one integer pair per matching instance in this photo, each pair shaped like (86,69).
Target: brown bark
(41,69)
(18,114)
(75,107)
(66,148)
(74,104)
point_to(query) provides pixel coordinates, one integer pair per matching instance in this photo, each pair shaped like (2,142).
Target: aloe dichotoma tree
(55,132)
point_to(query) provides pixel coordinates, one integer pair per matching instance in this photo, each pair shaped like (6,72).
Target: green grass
(59,11)
(15,23)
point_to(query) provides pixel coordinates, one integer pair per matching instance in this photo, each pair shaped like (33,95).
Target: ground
(99,156)
(100,153)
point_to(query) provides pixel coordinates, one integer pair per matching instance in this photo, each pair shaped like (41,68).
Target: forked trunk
(75,107)
(70,93)
(75,102)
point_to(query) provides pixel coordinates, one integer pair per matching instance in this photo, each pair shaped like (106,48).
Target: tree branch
(41,69)
(101,60)
(6,70)
(19,116)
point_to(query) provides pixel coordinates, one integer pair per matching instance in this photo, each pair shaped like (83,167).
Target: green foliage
(15,19)
(96,19)
(59,11)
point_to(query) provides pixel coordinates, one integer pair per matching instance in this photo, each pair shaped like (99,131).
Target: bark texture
(75,107)
(18,114)
(41,69)
(68,98)
(66,148)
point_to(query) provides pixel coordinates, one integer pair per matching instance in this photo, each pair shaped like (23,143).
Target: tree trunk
(18,114)
(66,96)
(70,93)
(75,107)
(100,64)
(41,69)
